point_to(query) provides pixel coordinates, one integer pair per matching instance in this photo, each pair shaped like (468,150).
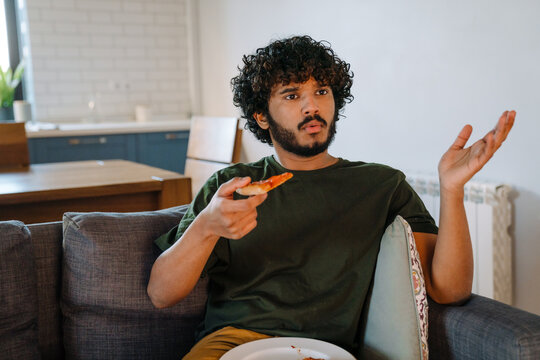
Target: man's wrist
(202,228)
(452,193)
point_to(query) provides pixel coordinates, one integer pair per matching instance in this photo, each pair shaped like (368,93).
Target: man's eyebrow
(289,90)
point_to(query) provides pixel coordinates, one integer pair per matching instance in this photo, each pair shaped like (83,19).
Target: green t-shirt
(307,266)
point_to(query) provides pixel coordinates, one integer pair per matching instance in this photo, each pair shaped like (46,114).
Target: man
(298,261)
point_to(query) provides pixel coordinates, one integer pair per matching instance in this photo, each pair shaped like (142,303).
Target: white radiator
(489,215)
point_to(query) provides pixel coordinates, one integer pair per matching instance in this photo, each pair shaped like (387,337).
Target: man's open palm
(459,164)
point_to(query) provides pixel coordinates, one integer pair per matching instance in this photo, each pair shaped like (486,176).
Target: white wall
(422,70)
(120,53)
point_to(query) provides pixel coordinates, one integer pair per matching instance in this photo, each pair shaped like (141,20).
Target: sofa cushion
(483,329)
(394,324)
(18,297)
(106,267)
(47,244)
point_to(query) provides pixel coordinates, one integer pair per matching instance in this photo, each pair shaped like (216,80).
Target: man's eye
(290,97)
(323,92)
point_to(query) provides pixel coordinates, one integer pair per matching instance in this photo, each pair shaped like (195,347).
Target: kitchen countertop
(42,130)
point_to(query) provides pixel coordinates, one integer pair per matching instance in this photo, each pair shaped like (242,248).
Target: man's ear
(261,119)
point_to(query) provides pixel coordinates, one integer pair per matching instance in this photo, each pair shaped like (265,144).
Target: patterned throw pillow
(394,323)
(420,294)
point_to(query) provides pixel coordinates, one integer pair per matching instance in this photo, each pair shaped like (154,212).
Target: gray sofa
(77,289)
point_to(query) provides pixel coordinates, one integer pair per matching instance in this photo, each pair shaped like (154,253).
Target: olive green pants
(214,345)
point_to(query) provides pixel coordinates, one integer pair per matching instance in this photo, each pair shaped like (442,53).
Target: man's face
(301,117)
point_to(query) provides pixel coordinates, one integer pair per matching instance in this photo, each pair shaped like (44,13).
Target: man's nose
(310,106)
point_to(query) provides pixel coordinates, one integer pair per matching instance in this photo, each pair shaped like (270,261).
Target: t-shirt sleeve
(202,199)
(168,239)
(407,204)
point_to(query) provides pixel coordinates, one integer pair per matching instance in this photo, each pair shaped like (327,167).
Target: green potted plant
(9,81)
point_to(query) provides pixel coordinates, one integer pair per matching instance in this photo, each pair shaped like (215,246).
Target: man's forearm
(176,272)
(452,267)
(452,264)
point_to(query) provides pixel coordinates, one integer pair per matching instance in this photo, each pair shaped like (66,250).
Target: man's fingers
(228,188)
(504,125)
(248,227)
(246,204)
(499,128)
(242,231)
(234,218)
(491,147)
(509,123)
(257,200)
(244,223)
(462,138)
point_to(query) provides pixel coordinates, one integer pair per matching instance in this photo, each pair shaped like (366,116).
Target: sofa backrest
(107,312)
(18,296)
(47,249)
(77,289)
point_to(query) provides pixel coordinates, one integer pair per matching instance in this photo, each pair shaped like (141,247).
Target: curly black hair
(295,59)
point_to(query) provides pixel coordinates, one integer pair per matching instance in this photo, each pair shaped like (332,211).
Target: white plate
(287,348)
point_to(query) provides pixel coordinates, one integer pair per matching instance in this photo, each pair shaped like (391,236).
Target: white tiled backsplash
(119,53)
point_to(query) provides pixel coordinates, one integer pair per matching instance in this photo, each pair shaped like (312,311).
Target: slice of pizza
(260,187)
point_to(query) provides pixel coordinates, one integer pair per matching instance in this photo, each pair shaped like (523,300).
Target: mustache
(310,118)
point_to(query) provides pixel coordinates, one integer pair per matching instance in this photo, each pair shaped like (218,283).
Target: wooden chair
(13,146)
(214,143)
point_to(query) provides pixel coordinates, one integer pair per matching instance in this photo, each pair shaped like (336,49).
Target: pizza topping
(260,187)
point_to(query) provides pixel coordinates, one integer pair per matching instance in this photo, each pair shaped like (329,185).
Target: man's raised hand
(459,164)
(229,218)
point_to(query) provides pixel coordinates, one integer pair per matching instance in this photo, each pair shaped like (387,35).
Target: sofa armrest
(482,328)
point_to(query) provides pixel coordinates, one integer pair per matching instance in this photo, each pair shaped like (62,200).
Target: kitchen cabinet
(166,150)
(74,148)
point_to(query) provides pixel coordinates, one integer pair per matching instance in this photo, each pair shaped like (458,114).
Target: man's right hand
(228,218)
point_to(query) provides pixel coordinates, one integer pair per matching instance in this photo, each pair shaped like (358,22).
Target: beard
(288,141)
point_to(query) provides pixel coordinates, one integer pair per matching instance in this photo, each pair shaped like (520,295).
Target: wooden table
(43,192)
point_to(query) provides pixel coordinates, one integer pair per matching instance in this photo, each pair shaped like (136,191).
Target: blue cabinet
(166,150)
(73,148)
